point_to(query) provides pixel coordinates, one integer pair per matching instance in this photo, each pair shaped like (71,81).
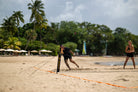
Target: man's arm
(61,51)
(133,49)
(71,52)
(126,50)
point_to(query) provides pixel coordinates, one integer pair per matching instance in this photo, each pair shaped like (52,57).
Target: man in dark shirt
(67,55)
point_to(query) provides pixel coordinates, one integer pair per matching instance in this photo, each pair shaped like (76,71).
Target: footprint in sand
(122,79)
(11,88)
(23,63)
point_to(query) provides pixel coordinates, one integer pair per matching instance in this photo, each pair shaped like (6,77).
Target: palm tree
(38,15)
(12,43)
(43,26)
(9,25)
(30,35)
(37,11)
(19,18)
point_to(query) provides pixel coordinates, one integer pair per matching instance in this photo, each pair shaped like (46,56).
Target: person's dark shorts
(67,57)
(130,54)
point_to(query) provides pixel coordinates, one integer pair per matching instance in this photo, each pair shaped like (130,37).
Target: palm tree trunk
(55,39)
(29,39)
(28,43)
(40,40)
(18,33)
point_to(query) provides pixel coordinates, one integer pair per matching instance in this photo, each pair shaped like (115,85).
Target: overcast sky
(113,13)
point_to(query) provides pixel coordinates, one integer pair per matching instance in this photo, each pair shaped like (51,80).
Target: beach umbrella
(77,50)
(34,51)
(9,50)
(17,51)
(43,50)
(23,51)
(84,48)
(2,49)
(49,51)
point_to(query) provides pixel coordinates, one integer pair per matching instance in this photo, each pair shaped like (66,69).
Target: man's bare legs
(133,62)
(132,58)
(74,63)
(66,62)
(125,62)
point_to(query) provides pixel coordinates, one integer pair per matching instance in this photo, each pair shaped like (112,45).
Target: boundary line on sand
(75,77)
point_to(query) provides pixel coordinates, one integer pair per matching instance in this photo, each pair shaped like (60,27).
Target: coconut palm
(12,43)
(9,25)
(43,25)
(30,35)
(19,18)
(37,11)
(38,15)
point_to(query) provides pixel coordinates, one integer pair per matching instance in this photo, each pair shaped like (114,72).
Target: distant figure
(67,55)
(130,53)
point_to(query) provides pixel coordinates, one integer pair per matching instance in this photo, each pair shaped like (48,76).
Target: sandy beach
(37,74)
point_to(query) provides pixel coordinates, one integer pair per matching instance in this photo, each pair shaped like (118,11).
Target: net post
(59,60)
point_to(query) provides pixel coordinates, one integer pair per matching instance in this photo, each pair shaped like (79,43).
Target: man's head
(130,42)
(62,47)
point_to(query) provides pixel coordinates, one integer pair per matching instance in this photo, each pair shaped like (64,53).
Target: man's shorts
(66,57)
(130,54)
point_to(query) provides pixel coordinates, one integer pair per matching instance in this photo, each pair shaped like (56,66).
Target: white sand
(17,74)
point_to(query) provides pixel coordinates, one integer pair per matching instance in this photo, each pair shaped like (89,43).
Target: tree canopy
(37,34)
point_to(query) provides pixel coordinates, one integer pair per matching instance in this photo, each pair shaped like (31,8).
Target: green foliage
(35,45)
(54,48)
(12,43)
(71,45)
(1,38)
(18,17)
(1,43)
(23,41)
(37,10)
(9,26)
(118,44)
(31,36)
(36,34)
(135,42)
